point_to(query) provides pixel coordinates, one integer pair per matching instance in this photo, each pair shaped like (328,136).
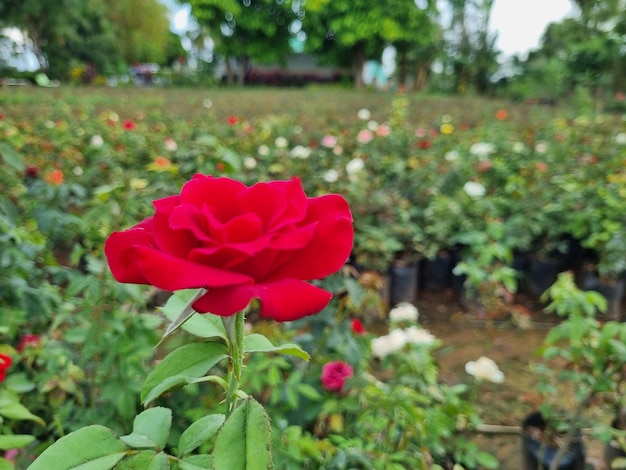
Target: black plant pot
(403,282)
(537,455)
(612,449)
(542,273)
(437,272)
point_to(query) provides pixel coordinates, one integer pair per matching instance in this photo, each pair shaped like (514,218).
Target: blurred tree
(142,28)
(245,30)
(98,32)
(417,41)
(348,32)
(471,53)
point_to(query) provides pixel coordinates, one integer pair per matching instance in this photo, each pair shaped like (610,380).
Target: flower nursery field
(500,187)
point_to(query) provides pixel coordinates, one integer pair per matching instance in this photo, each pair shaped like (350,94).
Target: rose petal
(175,242)
(119,248)
(285,300)
(170,273)
(331,245)
(215,195)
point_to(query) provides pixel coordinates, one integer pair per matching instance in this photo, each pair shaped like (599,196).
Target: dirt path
(513,349)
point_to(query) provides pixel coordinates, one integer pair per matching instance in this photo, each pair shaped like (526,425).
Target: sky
(521,23)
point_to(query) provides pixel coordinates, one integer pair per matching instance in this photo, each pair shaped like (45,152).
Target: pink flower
(329,141)
(364,136)
(383,130)
(335,374)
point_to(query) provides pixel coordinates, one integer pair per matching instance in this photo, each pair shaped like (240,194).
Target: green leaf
(5,464)
(103,463)
(11,157)
(160,462)
(486,460)
(18,411)
(138,441)
(138,461)
(155,424)
(189,361)
(85,446)
(199,432)
(243,443)
(196,462)
(618,463)
(178,310)
(15,441)
(259,343)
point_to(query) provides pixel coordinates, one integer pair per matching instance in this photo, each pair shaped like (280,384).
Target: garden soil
(466,336)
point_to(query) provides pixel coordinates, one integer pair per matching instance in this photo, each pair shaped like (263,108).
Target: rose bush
(238,242)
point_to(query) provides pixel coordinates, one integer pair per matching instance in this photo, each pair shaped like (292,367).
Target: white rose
(97,141)
(355,165)
(249,163)
(364,114)
(263,150)
(451,156)
(388,344)
(281,142)
(300,151)
(620,138)
(404,311)
(482,149)
(485,369)
(417,335)
(331,176)
(474,189)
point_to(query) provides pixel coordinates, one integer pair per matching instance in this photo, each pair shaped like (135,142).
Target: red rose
(28,341)
(335,374)
(238,242)
(5,363)
(357,327)
(232,120)
(129,125)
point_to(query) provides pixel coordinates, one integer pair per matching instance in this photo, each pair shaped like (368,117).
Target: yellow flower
(447,128)
(138,183)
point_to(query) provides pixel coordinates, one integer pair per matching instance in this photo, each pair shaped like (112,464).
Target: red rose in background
(238,242)
(5,363)
(129,125)
(335,374)
(232,120)
(357,327)
(28,341)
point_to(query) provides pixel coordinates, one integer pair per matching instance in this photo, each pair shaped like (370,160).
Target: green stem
(234,326)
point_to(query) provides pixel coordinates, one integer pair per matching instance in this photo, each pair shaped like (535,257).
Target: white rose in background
(97,141)
(474,189)
(300,151)
(482,149)
(485,368)
(249,163)
(388,344)
(263,150)
(364,114)
(404,311)
(451,156)
(620,138)
(416,335)
(281,142)
(330,176)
